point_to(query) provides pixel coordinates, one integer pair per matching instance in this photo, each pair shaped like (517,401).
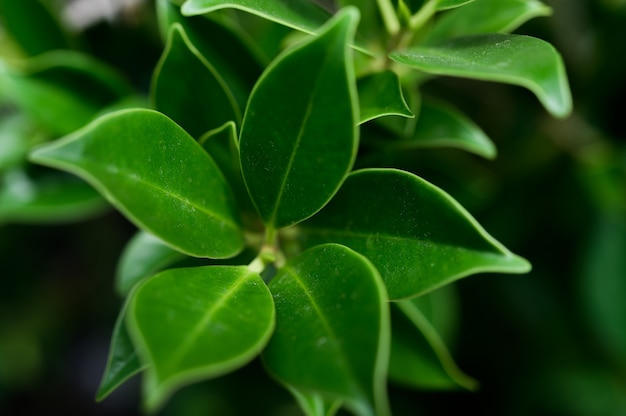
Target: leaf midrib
(187,342)
(345,363)
(305,120)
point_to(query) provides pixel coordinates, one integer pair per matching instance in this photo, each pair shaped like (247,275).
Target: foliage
(267,155)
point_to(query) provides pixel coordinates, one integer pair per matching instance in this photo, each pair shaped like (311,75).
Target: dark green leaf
(143,256)
(199,101)
(302,15)
(332,329)
(417,236)
(487,16)
(221,43)
(46,199)
(451,4)
(223,146)
(419,357)
(298,138)
(197,323)
(513,59)
(442,126)
(123,361)
(32,25)
(158,176)
(380,95)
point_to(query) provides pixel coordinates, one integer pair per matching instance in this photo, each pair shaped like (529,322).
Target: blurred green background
(552,342)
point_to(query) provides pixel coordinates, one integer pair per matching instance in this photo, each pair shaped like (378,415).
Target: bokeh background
(552,342)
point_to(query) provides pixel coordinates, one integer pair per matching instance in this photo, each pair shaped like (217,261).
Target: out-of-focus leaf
(46,199)
(32,25)
(603,284)
(17,136)
(62,90)
(143,256)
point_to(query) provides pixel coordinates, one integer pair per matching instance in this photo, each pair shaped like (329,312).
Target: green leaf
(62,90)
(313,404)
(513,59)
(223,146)
(380,95)
(17,136)
(199,101)
(157,175)
(419,357)
(332,329)
(32,25)
(197,323)
(451,4)
(487,16)
(233,57)
(442,126)
(143,256)
(418,237)
(46,199)
(123,361)
(298,138)
(303,15)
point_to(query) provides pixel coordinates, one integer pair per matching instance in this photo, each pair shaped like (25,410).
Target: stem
(390,19)
(423,15)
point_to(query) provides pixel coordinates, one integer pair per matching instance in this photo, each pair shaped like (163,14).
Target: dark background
(552,342)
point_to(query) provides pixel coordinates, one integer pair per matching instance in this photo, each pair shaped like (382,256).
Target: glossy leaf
(47,199)
(313,404)
(451,4)
(233,56)
(418,237)
(514,59)
(223,146)
(123,361)
(419,357)
(332,328)
(158,176)
(443,126)
(200,100)
(381,95)
(143,256)
(62,90)
(487,16)
(32,25)
(296,151)
(303,15)
(197,323)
